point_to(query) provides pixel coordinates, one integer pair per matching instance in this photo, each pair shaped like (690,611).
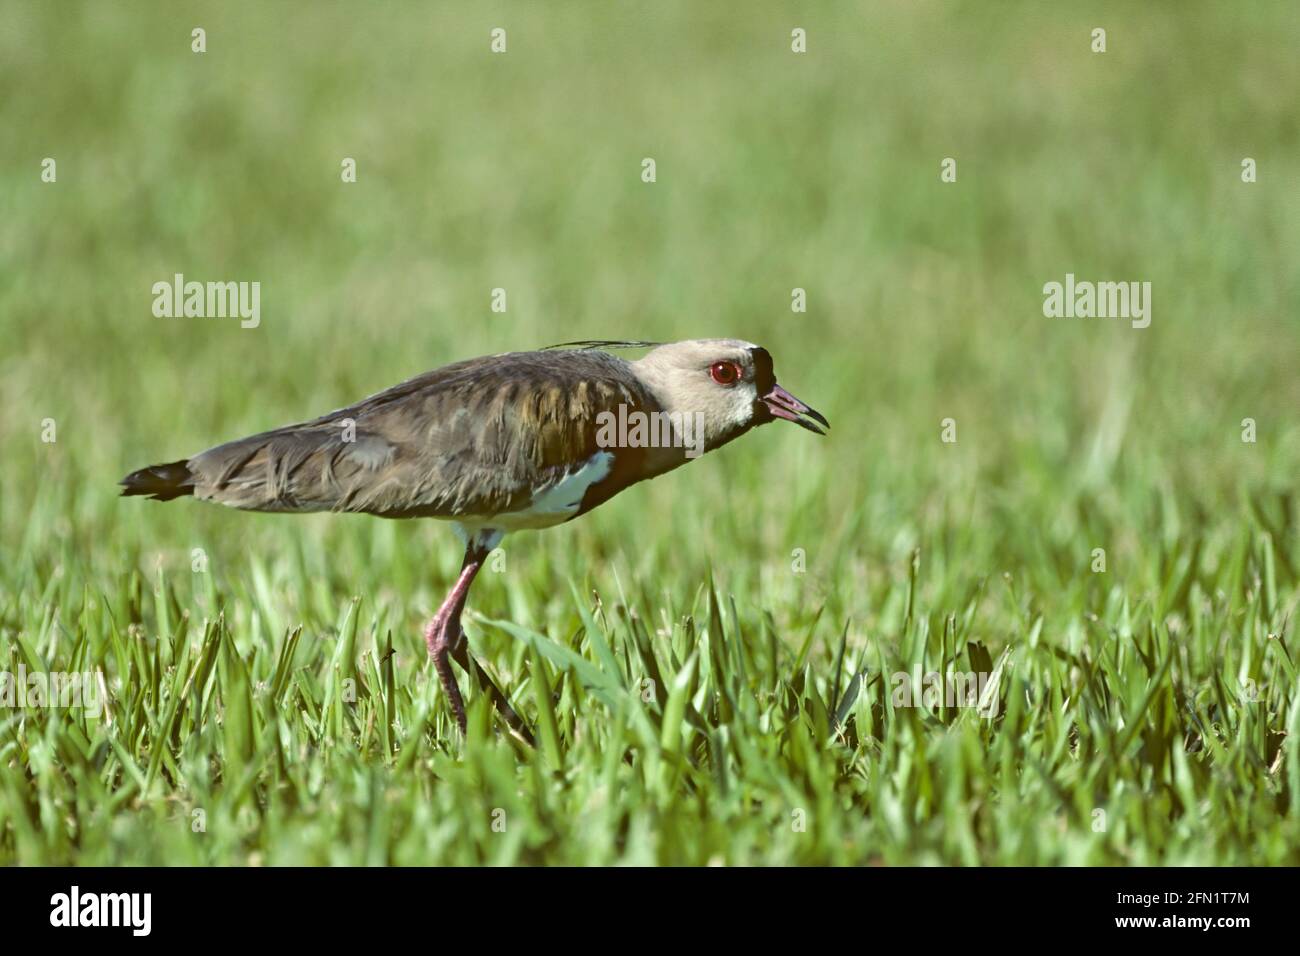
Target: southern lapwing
(496,444)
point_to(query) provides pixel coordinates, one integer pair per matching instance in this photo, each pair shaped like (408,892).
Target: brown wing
(476,438)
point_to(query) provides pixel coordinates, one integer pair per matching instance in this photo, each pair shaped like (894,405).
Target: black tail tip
(160,482)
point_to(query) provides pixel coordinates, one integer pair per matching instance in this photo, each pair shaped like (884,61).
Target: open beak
(784,405)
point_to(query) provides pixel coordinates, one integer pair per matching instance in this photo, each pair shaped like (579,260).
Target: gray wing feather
(472,439)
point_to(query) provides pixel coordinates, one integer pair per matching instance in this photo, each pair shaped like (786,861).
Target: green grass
(696,699)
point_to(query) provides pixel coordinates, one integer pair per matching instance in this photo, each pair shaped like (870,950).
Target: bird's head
(728,383)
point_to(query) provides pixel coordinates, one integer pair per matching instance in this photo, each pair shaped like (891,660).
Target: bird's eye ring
(725,373)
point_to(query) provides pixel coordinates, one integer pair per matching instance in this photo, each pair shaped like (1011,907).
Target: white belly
(550,505)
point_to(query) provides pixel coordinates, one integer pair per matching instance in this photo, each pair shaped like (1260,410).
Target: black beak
(784,405)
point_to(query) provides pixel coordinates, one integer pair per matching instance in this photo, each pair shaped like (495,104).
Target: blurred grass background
(775,171)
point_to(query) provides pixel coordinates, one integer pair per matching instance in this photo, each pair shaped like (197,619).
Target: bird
(496,444)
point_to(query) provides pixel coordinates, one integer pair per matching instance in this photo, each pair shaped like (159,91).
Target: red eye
(725,373)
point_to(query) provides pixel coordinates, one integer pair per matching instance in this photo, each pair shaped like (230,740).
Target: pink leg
(444,631)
